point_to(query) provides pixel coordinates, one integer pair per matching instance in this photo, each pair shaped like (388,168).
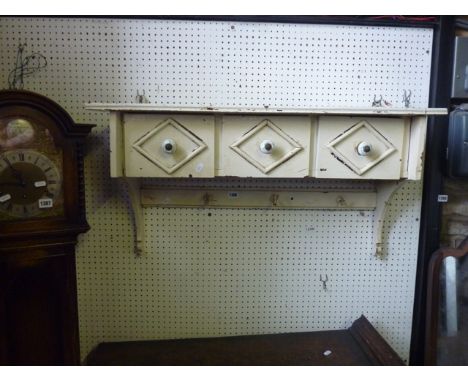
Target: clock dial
(30,184)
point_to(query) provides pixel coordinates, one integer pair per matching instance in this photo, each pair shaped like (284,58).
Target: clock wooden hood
(68,137)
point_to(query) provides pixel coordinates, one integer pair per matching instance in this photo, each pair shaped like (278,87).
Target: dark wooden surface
(38,308)
(359,345)
(38,313)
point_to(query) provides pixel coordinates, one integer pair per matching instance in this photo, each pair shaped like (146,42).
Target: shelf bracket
(385,191)
(133,186)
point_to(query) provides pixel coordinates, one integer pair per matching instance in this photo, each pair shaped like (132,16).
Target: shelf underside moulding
(144,107)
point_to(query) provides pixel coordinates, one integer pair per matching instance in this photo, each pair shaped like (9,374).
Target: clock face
(29,183)
(30,171)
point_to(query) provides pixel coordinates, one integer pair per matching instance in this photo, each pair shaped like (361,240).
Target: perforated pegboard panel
(225,271)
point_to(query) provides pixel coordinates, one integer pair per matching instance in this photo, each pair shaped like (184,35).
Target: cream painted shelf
(321,143)
(147,107)
(383,144)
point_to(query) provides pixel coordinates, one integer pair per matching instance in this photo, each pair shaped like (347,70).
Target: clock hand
(17,174)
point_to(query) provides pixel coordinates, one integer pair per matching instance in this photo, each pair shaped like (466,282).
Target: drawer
(361,148)
(265,146)
(165,145)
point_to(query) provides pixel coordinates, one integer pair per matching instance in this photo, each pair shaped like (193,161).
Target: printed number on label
(46,203)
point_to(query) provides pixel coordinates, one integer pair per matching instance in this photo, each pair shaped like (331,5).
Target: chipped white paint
(135,107)
(144,155)
(417,144)
(240,143)
(232,146)
(338,138)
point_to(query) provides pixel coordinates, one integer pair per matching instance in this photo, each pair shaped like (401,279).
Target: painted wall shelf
(151,141)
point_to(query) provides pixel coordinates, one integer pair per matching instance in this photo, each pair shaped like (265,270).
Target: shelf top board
(152,108)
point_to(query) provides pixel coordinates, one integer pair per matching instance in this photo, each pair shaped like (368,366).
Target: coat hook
(377,102)
(141,98)
(206,198)
(274,199)
(407,98)
(341,201)
(324,282)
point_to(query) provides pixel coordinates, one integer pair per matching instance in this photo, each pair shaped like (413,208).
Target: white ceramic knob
(267,146)
(169,146)
(364,148)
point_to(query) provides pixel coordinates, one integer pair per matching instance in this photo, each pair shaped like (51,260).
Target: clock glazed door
(41,214)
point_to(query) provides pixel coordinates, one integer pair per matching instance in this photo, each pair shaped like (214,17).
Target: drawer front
(361,148)
(163,145)
(265,146)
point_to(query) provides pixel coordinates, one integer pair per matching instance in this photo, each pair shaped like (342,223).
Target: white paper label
(442,198)
(41,183)
(46,203)
(4,198)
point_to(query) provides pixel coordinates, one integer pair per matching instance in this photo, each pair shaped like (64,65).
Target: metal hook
(324,282)
(341,201)
(274,199)
(407,98)
(141,98)
(206,198)
(377,102)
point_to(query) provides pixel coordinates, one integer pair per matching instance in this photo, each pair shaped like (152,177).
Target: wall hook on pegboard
(407,98)
(377,102)
(324,282)
(141,97)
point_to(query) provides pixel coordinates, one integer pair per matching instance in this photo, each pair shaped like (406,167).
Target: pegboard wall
(217,272)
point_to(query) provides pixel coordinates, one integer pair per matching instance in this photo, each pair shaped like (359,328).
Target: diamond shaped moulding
(249,146)
(345,147)
(187,145)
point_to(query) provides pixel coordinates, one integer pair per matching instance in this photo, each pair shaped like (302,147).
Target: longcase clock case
(38,305)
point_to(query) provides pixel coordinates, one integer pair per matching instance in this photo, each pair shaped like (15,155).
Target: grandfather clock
(42,211)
